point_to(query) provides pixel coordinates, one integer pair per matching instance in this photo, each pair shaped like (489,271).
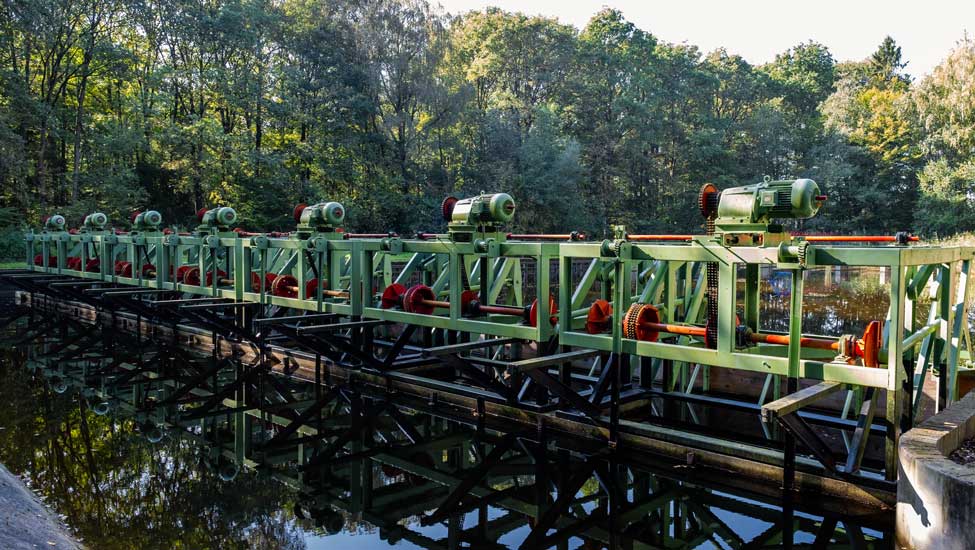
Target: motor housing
(323,217)
(55,222)
(769,200)
(217,219)
(147,221)
(484,213)
(96,221)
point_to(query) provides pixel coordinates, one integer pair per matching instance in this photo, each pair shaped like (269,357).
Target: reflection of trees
(119,491)
(828,310)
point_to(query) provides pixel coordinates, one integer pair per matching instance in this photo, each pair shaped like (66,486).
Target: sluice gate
(615,341)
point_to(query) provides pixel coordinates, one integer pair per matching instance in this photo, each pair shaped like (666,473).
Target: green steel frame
(670,276)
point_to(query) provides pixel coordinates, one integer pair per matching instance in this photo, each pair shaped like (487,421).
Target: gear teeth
(618,247)
(707,201)
(447,207)
(630,321)
(802,253)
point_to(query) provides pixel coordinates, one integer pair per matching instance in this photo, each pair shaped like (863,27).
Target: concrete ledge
(935,495)
(25,523)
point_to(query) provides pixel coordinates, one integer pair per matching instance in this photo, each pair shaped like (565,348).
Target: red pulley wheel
(467,298)
(285,286)
(311,290)
(553,308)
(392,296)
(181,273)
(220,274)
(599,317)
(192,276)
(413,300)
(871,344)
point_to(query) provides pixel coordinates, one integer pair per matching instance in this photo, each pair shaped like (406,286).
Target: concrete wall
(25,523)
(936,496)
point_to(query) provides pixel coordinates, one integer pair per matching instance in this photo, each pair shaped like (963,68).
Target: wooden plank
(468,346)
(797,400)
(549,360)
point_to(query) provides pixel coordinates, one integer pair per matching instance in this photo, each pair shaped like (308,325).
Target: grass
(11,264)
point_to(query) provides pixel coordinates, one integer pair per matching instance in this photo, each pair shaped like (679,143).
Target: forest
(390,105)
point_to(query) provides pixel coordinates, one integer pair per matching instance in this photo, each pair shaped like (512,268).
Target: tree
(390,105)
(609,105)
(886,65)
(942,105)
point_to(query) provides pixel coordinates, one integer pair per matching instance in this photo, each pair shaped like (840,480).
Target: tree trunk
(79,128)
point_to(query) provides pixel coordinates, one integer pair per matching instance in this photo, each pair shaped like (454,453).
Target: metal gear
(447,207)
(803,245)
(707,200)
(618,246)
(634,321)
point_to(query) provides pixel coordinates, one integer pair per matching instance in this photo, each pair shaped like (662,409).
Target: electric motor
(768,200)
(485,209)
(321,216)
(150,220)
(220,217)
(95,221)
(54,223)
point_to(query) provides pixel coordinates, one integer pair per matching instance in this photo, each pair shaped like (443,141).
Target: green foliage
(947,202)
(866,286)
(11,245)
(885,65)
(390,106)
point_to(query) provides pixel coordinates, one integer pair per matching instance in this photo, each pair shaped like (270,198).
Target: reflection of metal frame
(330,444)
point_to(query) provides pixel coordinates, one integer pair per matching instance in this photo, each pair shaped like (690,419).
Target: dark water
(118,490)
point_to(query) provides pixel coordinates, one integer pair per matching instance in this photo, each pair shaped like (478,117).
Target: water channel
(120,486)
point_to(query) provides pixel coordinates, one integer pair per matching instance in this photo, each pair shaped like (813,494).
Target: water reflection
(835,301)
(406,476)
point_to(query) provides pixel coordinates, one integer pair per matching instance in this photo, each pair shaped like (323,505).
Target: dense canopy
(388,106)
